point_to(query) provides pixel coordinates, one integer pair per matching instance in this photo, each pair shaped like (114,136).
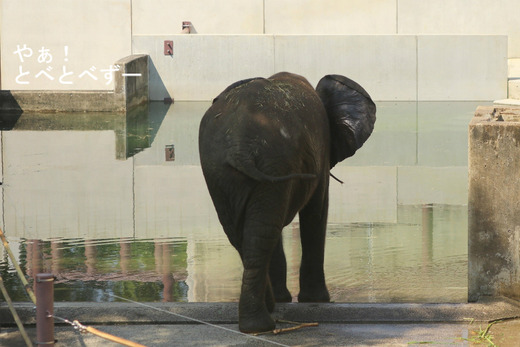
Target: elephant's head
(351,113)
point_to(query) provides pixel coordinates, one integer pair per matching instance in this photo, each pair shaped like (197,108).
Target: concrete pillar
(494,203)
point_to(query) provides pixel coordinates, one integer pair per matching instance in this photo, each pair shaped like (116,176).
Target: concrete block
(326,17)
(202,66)
(60,45)
(507,102)
(432,185)
(513,89)
(384,65)
(165,17)
(513,74)
(464,17)
(130,90)
(462,67)
(132,80)
(494,187)
(513,68)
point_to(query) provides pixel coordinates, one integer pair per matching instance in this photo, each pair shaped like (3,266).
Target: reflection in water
(118,205)
(90,270)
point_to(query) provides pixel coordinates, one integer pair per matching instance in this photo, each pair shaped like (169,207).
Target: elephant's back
(271,121)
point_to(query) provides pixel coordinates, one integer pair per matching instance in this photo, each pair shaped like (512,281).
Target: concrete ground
(215,324)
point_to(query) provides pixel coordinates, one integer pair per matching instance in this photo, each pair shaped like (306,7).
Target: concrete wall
(165,17)
(396,61)
(392,67)
(326,17)
(63,45)
(467,17)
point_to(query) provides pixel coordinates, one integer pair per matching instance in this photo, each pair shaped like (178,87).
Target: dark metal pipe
(44,309)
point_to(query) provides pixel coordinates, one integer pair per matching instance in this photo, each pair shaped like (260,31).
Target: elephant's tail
(249,169)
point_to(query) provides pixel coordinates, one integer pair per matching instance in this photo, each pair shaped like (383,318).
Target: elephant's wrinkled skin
(266,150)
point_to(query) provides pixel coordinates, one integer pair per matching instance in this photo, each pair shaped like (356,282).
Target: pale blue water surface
(116,205)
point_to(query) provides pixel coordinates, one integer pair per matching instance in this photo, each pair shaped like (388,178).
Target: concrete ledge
(508,102)
(130,90)
(227,313)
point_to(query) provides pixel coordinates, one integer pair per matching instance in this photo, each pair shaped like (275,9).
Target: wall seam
(263,16)
(133,197)
(397,16)
(3,177)
(416,100)
(131,26)
(416,68)
(274,53)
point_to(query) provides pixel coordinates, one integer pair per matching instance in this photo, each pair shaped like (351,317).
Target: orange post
(44,309)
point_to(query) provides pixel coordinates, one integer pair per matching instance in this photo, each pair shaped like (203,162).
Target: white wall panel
(462,67)
(327,17)
(63,45)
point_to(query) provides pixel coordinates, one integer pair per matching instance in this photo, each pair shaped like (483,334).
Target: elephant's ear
(351,113)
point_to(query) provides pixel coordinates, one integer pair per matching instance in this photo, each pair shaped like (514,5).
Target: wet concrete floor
(215,324)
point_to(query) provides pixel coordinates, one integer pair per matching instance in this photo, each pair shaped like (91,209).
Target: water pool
(116,205)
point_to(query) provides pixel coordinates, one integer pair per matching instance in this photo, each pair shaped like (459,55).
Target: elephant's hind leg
(313,224)
(258,244)
(278,274)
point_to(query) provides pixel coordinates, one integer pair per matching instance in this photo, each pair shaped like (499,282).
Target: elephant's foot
(256,323)
(282,294)
(315,294)
(269,299)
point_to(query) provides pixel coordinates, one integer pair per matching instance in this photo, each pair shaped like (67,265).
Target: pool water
(116,206)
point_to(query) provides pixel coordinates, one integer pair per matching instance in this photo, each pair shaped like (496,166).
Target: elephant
(266,148)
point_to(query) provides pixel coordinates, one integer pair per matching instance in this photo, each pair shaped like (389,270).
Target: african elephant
(266,149)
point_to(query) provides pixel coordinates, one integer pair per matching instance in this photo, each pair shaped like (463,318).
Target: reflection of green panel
(424,133)
(179,128)
(393,141)
(138,135)
(439,185)
(368,194)
(443,132)
(71,121)
(134,130)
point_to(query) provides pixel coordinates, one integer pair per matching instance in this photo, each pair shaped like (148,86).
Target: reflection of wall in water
(421,257)
(171,198)
(66,184)
(79,189)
